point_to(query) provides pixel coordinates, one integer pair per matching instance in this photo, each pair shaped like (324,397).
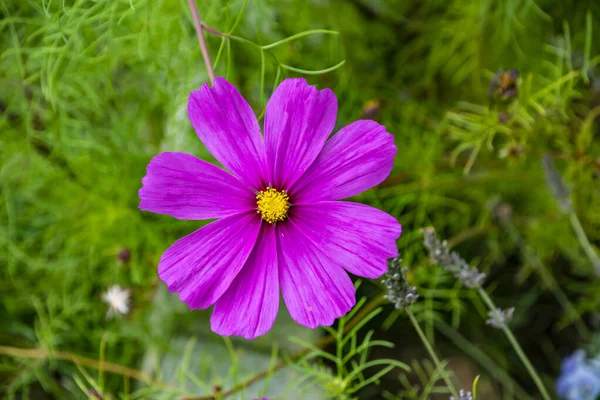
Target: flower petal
(298,120)
(249,307)
(185,187)
(357,237)
(316,290)
(228,128)
(574,361)
(202,265)
(358,157)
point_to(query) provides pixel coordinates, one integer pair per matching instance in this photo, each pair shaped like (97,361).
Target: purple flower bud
(371,108)
(124,256)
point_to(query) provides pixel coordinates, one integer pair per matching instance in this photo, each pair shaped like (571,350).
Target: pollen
(272,205)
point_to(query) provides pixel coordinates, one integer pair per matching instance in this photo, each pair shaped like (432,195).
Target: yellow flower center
(272,205)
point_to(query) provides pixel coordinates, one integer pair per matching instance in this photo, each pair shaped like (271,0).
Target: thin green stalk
(266,48)
(434,357)
(262,78)
(238,19)
(299,35)
(310,72)
(482,359)
(547,278)
(583,240)
(339,349)
(517,347)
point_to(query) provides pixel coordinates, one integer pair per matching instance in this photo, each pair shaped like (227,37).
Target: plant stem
(199,32)
(546,276)
(434,357)
(321,343)
(213,31)
(483,360)
(517,347)
(583,240)
(43,354)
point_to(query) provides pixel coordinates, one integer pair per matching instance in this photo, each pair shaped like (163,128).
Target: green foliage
(350,358)
(91,90)
(426,375)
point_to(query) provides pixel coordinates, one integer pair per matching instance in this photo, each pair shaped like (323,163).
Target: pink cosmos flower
(279,223)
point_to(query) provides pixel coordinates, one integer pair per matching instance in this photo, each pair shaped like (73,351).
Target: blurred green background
(91,90)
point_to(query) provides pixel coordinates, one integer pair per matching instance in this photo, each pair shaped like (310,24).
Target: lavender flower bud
(500,318)
(503,212)
(504,86)
(124,256)
(451,261)
(558,188)
(463,396)
(371,108)
(400,293)
(502,118)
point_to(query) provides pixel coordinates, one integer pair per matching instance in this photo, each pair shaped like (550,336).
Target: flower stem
(199,32)
(434,357)
(321,343)
(583,240)
(546,276)
(103,365)
(517,347)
